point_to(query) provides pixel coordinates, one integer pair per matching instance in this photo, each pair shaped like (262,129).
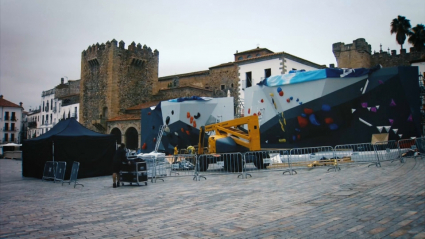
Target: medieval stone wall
(114,78)
(215,82)
(358,54)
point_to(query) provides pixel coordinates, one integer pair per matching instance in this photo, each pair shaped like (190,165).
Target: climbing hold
(298,130)
(391,121)
(288,100)
(352,110)
(368,108)
(188,115)
(298,136)
(154,139)
(303,115)
(400,135)
(392,104)
(308,111)
(377,107)
(387,128)
(281,93)
(182,130)
(279,89)
(379,128)
(294,137)
(302,121)
(262,101)
(410,119)
(197,116)
(298,99)
(333,126)
(167,120)
(373,109)
(271,94)
(149,113)
(364,104)
(291,98)
(194,123)
(191,119)
(172,112)
(282,140)
(255,113)
(144,146)
(249,111)
(395,131)
(329,120)
(187,132)
(300,103)
(313,119)
(153,126)
(326,107)
(259,113)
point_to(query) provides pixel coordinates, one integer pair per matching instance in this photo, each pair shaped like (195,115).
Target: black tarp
(71,142)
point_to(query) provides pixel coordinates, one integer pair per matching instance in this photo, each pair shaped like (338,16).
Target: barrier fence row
(284,160)
(55,171)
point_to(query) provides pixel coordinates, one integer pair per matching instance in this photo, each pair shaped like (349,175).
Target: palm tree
(417,37)
(401,27)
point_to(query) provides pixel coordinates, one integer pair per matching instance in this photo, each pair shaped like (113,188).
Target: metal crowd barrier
(223,163)
(270,160)
(156,167)
(60,171)
(49,170)
(420,144)
(74,175)
(302,158)
(387,151)
(357,153)
(181,165)
(410,148)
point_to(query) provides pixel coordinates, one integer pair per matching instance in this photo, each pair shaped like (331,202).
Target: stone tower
(114,78)
(353,55)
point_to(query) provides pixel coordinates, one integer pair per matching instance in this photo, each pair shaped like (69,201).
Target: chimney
(331,65)
(20,104)
(61,81)
(1,96)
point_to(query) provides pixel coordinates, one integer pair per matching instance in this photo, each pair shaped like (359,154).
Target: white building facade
(56,104)
(257,64)
(10,121)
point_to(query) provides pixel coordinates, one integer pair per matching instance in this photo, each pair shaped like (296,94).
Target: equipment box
(134,173)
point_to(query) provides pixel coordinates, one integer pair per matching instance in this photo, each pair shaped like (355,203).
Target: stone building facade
(113,79)
(359,54)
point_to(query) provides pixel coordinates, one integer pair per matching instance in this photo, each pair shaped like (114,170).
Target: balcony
(32,124)
(10,129)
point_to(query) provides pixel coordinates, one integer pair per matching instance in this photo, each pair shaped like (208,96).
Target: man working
(120,157)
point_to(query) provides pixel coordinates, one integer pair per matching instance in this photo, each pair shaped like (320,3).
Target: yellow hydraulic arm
(249,139)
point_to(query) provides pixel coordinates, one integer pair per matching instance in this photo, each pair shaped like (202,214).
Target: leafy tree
(417,37)
(401,27)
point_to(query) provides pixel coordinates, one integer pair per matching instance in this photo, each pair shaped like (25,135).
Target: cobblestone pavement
(356,202)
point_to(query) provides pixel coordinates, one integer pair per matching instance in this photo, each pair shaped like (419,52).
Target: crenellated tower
(114,78)
(353,55)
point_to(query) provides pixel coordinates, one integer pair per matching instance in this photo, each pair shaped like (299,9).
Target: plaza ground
(356,202)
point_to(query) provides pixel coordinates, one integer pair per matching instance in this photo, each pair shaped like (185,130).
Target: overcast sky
(42,40)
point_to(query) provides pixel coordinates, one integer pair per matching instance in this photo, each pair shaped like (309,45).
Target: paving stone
(357,202)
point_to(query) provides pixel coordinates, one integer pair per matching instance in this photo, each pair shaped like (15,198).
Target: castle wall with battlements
(114,78)
(359,54)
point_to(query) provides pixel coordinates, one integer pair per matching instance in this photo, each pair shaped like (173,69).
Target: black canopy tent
(69,141)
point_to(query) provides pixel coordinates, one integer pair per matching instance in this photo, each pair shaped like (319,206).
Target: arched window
(117,133)
(240,58)
(249,56)
(131,138)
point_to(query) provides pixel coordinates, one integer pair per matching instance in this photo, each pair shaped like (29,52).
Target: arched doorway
(117,133)
(131,138)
